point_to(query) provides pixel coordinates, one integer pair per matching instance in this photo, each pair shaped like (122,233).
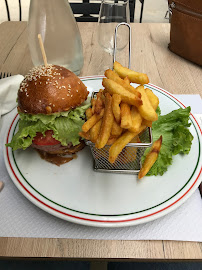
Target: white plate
(76,193)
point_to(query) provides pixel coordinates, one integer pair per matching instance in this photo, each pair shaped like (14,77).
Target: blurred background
(154,10)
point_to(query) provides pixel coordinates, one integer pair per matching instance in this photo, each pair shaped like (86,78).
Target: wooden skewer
(1,185)
(42,50)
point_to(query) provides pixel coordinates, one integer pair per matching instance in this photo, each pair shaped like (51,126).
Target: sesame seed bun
(50,89)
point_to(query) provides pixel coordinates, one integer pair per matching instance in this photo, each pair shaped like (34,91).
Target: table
(165,69)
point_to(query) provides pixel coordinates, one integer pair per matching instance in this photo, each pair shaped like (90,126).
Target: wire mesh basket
(128,161)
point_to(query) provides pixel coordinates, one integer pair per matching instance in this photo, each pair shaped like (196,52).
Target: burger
(51,107)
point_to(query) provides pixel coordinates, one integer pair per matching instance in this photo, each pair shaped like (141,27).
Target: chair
(141,12)
(8,12)
(87,10)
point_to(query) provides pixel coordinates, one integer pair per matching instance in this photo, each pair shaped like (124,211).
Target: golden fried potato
(107,123)
(112,75)
(114,88)
(116,100)
(92,121)
(94,131)
(89,113)
(154,100)
(150,158)
(85,135)
(146,110)
(120,143)
(136,119)
(133,76)
(116,129)
(126,120)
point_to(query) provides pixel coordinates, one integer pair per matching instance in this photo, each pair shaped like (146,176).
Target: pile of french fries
(120,112)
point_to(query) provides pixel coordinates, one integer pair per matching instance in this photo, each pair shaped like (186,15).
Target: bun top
(50,89)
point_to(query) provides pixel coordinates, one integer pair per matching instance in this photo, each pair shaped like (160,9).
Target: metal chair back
(87,10)
(8,11)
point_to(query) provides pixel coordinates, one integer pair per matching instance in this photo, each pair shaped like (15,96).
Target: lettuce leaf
(177,138)
(65,125)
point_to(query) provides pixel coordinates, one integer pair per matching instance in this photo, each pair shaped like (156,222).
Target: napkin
(8,93)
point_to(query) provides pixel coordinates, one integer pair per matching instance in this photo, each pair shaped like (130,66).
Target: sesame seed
(53,105)
(38,72)
(63,98)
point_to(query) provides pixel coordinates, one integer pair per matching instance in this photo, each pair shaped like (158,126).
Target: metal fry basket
(128,161)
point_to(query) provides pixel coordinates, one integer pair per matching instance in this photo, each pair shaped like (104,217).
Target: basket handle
(115,42)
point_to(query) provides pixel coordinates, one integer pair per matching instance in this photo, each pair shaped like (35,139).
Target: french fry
(116,129)
(116,100)
(136,140)
(136,119)
(107,123)
(154,100)
(112,75)
(114,88)
(94,131)
(112,140)
(93,105)
(126,79)
(89,113)
(131,152)
(99,104)
(133,76)
(146,110)
(126,120)
(150,158)
(120,143)
(92,121)
(147,123)
(85,135)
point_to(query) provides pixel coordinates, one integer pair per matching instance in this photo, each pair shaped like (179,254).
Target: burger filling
(58,130)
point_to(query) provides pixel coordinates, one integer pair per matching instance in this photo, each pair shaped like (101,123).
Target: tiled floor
(154,10)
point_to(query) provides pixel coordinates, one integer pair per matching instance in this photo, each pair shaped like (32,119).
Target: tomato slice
(40,139)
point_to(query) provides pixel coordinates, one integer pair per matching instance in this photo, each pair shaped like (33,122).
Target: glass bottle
(54,20)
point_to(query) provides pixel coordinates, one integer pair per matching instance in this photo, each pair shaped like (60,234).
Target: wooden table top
(149,55)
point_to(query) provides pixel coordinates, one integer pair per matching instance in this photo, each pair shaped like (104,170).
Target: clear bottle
(54,20)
